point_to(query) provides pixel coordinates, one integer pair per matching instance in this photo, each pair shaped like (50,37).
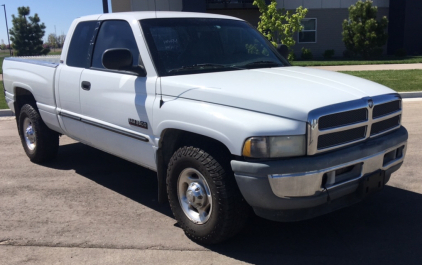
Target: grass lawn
(1,64)
(399,80)
(344,61)
(3,104)
(55,53)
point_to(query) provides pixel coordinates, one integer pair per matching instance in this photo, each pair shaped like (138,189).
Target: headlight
(275,146)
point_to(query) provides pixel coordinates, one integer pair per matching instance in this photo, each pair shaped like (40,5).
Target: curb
(417,94)
(6,113)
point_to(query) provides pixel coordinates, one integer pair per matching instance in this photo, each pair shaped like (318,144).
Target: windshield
(196,45)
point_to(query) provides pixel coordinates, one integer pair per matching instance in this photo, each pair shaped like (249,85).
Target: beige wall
(250,15)
(121,5)
(146,5)
(162,5)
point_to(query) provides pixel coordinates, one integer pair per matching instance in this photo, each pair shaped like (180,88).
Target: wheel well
(173,139)
(23,97)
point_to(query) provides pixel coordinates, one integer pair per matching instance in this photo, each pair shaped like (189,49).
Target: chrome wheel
(194,195)
(29,134)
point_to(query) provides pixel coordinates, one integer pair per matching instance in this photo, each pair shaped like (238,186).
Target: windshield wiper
(262,63)
(199,66)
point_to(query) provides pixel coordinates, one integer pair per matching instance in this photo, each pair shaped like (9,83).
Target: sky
(59,13)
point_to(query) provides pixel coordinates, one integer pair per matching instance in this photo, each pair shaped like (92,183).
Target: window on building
(309,32)
(114,34)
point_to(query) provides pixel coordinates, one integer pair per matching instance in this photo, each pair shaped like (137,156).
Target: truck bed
(49,59)
(35,74)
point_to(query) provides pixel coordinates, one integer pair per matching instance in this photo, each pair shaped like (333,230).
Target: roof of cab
(152,14)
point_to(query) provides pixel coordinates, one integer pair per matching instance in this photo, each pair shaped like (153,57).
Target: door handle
(86,85)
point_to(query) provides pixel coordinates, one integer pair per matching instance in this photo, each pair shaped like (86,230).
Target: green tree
(279,25)
(362,33)
(52,40)
(60,40)
(27,33)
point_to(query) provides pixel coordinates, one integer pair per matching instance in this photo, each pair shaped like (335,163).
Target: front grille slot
(385,125)
(343,119)
(386,108)
(343,137)
(341,175)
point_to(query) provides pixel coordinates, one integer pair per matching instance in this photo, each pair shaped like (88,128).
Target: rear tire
(204,196)
(39,142)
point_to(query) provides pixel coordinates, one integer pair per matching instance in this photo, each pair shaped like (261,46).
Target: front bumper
(300,188)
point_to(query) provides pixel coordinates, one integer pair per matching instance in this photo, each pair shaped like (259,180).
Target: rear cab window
(78,53)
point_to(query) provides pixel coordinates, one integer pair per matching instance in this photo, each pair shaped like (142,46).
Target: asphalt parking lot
(90,207)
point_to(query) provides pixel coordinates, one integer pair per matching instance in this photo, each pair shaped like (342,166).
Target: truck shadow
(385,229)
(132,181)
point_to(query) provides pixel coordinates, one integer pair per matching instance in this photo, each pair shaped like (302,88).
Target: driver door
(117,105)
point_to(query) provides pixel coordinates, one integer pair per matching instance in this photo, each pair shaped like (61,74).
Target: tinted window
(193,45)
(114,34)
(77,55)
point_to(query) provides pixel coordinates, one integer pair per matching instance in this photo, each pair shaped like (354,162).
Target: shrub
(401,52)
(362,33)
(292,56)
(328,54)
(306,54)
(376,53)
(348,54)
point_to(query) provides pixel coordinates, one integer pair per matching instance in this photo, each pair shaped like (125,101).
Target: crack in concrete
(4,242)
(155,247)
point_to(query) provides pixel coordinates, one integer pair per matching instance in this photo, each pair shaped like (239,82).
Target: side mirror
(283,50)
(121,59)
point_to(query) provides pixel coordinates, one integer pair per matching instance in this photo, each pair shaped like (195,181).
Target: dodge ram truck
(217,111)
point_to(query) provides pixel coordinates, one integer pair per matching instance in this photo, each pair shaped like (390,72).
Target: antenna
(161,89)
(155,8)
(161,95)
(55,41)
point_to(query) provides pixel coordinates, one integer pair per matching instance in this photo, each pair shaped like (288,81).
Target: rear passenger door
(117,105)
(69,79)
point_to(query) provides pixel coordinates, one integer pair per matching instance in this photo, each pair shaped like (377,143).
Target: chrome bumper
(311,183)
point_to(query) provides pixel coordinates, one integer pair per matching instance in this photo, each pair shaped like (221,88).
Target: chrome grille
(386,108)
(342,119)
(333,139)
(351,122)
(385,125)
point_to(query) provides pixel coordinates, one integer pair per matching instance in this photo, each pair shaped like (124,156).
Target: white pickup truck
(217,111)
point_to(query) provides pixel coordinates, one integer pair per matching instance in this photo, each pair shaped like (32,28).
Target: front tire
(39,142)
(204,196)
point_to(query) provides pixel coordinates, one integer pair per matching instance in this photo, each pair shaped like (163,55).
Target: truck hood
(290,92)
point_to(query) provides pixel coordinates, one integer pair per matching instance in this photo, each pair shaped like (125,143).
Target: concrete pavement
(88,207)
(370,67)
